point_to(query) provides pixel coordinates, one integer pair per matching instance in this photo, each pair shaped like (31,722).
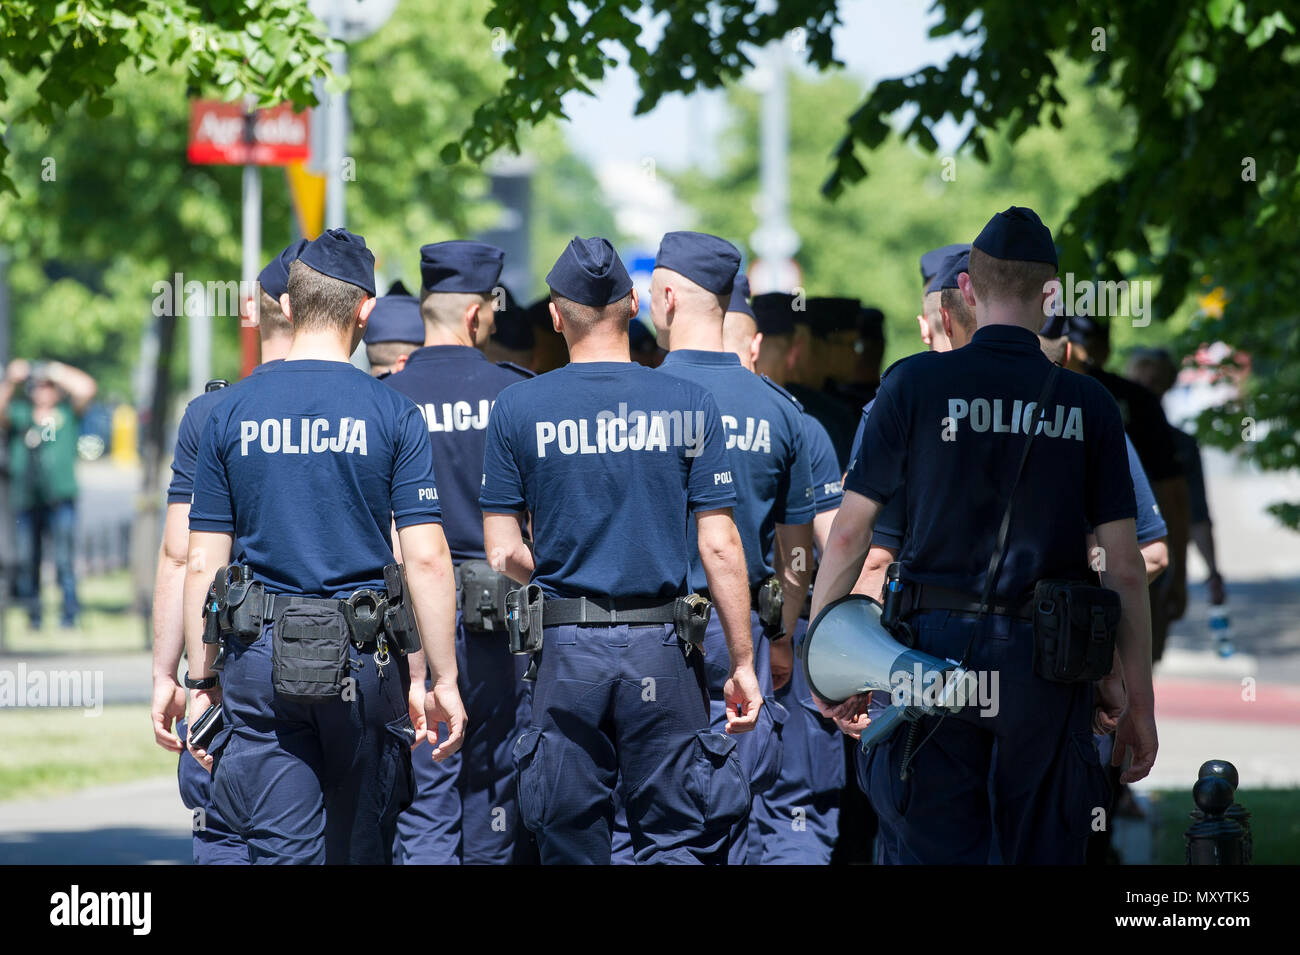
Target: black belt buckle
(364,611)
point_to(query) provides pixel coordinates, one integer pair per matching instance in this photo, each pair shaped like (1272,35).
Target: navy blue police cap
(1084,329)
(513,327)
(395,318)
(342,255)
(740,296)
(932,262)
(274,279)
(460,266)
(589,272)
(1055,327)
(871,324)
(1017,234)
(708,261)
(827,314)
(774,313)
(953,266)
(539,313)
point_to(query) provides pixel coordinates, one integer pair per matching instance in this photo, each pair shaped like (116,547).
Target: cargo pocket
(767,744)
(1083,788)
(527,758)
(716,782)
(399,735)
(309,655)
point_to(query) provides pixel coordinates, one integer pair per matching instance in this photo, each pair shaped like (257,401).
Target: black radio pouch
(691,618)
(771,604)
(1075,626)
(482,595)
(524,619)
(400,626)
(309,654)
(239,600)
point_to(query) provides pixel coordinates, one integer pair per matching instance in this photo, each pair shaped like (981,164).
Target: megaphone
(848,650)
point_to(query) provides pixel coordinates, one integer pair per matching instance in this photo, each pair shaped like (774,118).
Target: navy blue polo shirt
(188,433)
(307,465)
(952,425)
(1150,523)
(764,428)
(455,387)
(827,480)
(611,459)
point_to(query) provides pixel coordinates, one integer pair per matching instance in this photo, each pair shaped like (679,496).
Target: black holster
(238,600)
(691,618)
(399,622)
(770,602)
(1075,627)
(524,619)
(481,594)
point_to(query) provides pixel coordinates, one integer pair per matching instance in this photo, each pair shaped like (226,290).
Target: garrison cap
(590,273)
(1055,326)
(1017,234)
(396,318)
(774,313)
(274,279)
(708,261)
(513,326)
(932,261)
(740,296)
(342,255)
(953,266)
(828,314)
(1081,328)
(871,324)
(460,266)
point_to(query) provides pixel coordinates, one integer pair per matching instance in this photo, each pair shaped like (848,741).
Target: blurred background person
(41,404)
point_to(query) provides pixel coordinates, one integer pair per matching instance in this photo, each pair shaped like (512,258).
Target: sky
(877,39)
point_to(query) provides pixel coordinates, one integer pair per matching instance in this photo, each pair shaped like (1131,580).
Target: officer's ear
(556,321)
(925,330)
(363,312)
(469,320)
(1069,349)
(967,290)
(399,364)
(284,307)
(945,319)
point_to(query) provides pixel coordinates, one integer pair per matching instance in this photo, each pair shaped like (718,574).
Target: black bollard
(1236,812)
(1214,839)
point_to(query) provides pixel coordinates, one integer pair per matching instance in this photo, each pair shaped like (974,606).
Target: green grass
(1274,825)
(107,624)
(44,752)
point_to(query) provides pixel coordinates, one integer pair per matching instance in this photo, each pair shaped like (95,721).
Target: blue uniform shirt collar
(695,356)
(436,352)
(1006,337)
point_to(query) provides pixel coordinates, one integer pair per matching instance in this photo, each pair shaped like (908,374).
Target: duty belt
(918,598)
(364,612)
(606,612)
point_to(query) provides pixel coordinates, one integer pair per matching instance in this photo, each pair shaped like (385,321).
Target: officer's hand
(1135,735)
(415,704)
(744,700)
(200,700)
(442,705)
(853,727)
(1111,699)
(1218,594)
(168,707)
(848,711)
(782,661)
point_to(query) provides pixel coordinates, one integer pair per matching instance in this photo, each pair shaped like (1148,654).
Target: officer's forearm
(1155,555)
(1171,496)
(793,558)
(503,542)
(432,587)
(723,558)
(1125,573)
(874,570)
(822,524)
(1202,535)
(845,550)
(207,551)
(168,594)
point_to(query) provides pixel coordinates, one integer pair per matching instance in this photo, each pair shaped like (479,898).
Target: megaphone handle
(882,727)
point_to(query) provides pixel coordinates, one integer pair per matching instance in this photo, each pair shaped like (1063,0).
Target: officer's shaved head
(1009,281)
(271,322)
(739,331)
(689,300)
(961,313)
(321,303)
(383,356)
(584,318)
(448,308)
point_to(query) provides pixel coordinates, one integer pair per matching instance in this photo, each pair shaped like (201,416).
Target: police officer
(610,462)
(464,808)
(393,332)
(548,347)
(513,337)
(1027,774)
(301,471)
(816,362)
(690,288)
(795,821)
(933,267)
(214,841)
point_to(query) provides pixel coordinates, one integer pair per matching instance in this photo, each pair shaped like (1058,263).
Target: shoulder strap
(999,550)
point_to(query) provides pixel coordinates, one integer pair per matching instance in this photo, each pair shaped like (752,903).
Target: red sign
(218,134)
